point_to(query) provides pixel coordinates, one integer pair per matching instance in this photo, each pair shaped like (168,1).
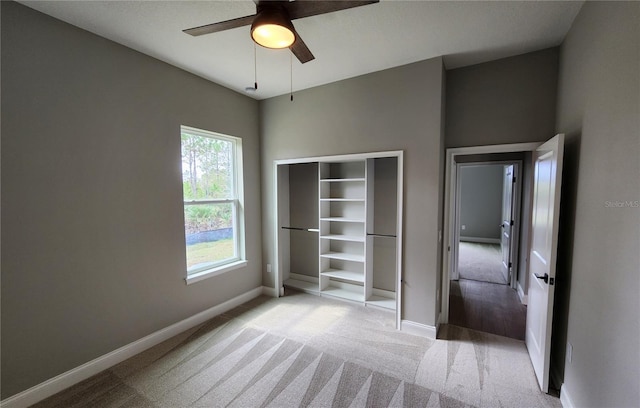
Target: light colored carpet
(481,262)
(304,350)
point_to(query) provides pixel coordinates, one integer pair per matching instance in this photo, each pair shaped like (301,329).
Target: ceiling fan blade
(221,26)
(301,51)
(308,8)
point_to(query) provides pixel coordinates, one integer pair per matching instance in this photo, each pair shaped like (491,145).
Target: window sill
(209,273)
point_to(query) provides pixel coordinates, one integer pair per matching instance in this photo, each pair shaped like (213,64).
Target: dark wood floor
(487,307)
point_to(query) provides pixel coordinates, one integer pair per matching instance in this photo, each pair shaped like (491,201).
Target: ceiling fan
(271,26)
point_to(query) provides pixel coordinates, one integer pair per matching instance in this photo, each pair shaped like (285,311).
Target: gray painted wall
(303,195)
(385,188)
(511,100)
(93,237)
(599,110)
(303,212)
(481,201)
(395,109)
(384,220)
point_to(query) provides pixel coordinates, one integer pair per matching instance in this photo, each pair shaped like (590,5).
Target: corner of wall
(565,398)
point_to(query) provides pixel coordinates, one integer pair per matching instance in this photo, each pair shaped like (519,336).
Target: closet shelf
(342,219)
(344,256)
(354,238)
(344,275)
(356,296)
(331,180)
(383,302)
(337,199)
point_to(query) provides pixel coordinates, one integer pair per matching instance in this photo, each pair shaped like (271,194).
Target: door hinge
(511,223)
(510,264)
(448,249)
(514,179)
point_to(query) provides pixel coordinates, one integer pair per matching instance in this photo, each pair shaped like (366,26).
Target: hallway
(487,307)
(480,262)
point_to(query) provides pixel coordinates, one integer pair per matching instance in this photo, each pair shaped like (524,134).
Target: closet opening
(338,228)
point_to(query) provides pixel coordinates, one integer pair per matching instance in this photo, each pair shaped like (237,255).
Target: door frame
(449,233)
(516,213)
(277,255)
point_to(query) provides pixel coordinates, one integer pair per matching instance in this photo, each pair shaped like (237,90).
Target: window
(213,210)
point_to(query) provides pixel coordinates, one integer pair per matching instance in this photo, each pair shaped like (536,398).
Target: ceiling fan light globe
(272,28)
(273,36)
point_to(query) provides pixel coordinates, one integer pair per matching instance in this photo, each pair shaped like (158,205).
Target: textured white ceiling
(347,43)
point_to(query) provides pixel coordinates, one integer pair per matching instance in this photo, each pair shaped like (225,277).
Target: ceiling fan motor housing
(272,27)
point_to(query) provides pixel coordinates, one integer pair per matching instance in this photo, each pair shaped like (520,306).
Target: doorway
(486,224)
(538,236)
(487,220)
(485,285)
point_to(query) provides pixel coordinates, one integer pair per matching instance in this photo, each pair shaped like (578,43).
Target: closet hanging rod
(301,229)
(381,235)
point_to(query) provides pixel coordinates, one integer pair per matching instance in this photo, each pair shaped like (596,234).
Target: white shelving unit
(343,215)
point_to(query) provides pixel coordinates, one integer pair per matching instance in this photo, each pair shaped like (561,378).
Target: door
(507,221)
(543,253)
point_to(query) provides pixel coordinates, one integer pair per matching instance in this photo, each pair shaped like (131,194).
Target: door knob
(545,278)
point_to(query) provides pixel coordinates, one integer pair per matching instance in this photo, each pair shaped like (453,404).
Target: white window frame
(237,200)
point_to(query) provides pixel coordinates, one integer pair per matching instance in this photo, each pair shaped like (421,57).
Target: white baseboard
(565,398)
(419,329)
(383,293)
(305,278)
(480,240)
(521,295)
(65,380)
(267,291)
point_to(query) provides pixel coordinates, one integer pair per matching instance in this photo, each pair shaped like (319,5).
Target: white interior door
(543,254)
(507,220)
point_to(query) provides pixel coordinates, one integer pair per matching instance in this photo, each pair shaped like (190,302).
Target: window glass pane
(207,167)
(209,233)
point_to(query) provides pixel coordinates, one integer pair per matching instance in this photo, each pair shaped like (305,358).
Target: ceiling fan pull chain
(291,75)
(255,67)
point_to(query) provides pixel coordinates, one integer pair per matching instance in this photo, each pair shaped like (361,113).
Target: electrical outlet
(569,352)
(464,227)
(268,268)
